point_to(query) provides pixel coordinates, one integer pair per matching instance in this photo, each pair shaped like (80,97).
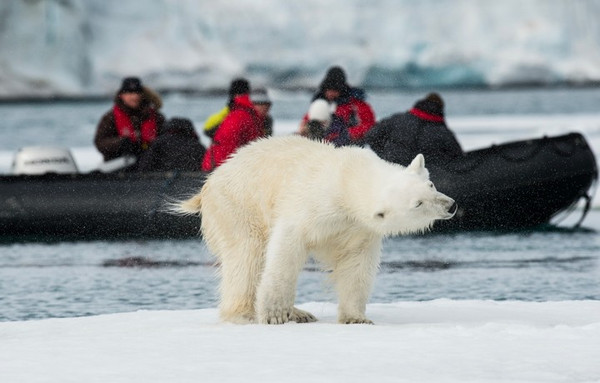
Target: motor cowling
(35,160)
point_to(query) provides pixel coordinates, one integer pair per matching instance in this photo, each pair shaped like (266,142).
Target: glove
(128,147)
(315,130)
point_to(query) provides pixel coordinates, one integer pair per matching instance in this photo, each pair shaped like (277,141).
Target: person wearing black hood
(422,129)
(238,86)
(132,123)
(346,102)
(177,148)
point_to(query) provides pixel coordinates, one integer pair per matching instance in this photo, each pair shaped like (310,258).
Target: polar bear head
(409,202)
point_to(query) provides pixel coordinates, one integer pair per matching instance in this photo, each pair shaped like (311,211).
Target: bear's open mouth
(452,210)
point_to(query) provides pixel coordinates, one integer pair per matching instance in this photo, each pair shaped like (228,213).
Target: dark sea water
(65,279)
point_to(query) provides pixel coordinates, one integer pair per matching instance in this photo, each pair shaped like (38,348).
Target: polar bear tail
(191,206)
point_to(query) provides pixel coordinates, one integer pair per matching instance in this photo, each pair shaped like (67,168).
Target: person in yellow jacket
(212,123)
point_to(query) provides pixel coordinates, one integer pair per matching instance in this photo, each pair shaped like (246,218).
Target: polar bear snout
(453,208)
(450,207)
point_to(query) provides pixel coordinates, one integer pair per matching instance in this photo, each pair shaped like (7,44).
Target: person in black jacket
(422,129)
(177,148)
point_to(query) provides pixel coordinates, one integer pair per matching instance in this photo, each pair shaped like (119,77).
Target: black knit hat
(432,104)
(182,126)
(238,86)
(180,123)
(335,79)
(131,85)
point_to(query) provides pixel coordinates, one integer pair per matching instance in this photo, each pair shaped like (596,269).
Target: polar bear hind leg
(240,276)
(353,276)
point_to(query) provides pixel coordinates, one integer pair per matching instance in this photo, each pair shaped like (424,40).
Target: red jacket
(125,127)
(357,114)
(241,126)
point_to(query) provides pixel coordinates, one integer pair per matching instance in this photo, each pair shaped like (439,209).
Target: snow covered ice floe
(432,341)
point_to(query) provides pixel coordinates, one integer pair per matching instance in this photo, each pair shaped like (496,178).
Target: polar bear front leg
(285,257)
(353,276)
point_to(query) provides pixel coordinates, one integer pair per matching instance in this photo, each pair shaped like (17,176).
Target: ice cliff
(84,47)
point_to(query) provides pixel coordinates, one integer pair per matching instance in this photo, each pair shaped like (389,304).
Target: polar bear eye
(418,204)
(431,186)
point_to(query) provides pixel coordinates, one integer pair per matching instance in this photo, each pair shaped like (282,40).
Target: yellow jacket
(212,123)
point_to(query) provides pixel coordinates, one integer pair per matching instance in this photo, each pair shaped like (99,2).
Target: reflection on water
(147,262)
(437,265)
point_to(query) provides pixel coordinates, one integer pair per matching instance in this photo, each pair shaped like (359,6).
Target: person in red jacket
(131,125)
(241,126)
(346,102)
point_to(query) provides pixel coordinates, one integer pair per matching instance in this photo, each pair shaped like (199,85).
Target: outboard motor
(35,160)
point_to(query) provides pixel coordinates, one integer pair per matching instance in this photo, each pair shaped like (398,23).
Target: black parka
(400,137)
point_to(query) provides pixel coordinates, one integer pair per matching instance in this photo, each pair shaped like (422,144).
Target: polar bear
(277,200)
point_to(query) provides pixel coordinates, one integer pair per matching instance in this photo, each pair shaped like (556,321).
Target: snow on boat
(512,186)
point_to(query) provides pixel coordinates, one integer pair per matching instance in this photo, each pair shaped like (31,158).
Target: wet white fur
(280,199)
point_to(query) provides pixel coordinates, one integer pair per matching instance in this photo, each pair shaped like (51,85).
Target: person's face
(131,99)
(262,109)
(331,94)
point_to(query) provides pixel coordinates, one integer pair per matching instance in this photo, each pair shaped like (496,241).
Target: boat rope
(586,208)
(568,152)
(588,201)
(566,146)
(501,152)
(587,196)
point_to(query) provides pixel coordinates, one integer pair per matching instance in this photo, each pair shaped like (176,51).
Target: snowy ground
(434,341)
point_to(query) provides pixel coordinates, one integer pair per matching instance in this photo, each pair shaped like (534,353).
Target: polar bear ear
(418,164)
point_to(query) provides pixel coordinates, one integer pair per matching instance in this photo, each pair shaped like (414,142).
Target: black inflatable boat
(507,187)
(518,184)
(95,205)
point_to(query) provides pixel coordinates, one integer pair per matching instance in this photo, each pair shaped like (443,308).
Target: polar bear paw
(276,315)
(301,316)
(359,320)
(284,315)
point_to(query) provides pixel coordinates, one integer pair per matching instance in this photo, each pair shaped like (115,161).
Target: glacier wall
(84,47)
